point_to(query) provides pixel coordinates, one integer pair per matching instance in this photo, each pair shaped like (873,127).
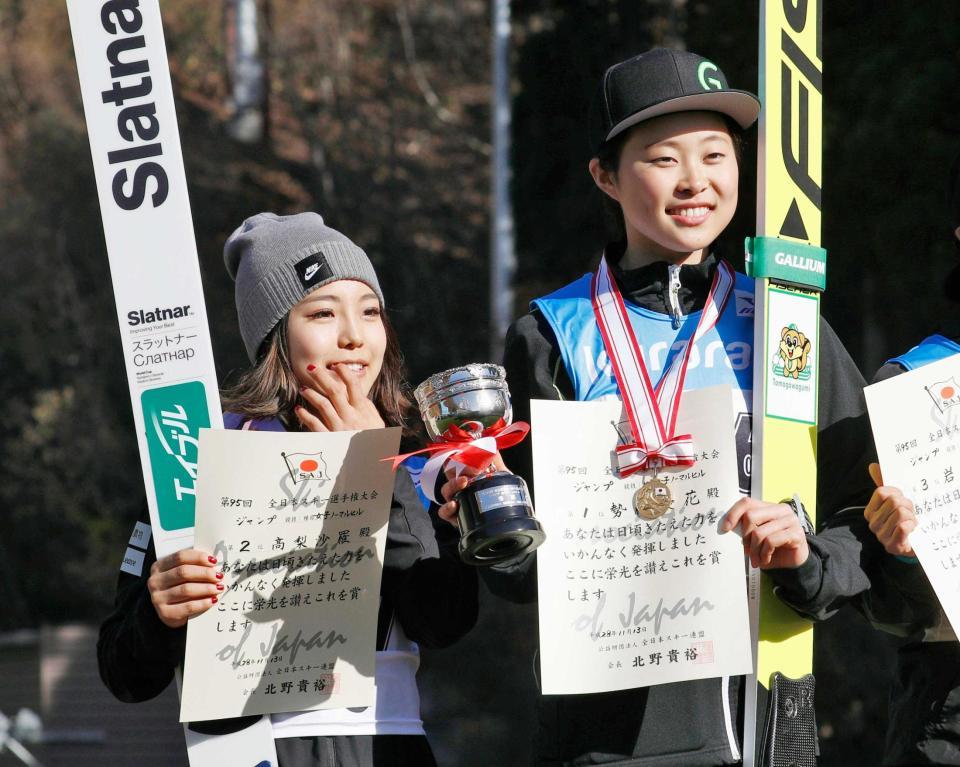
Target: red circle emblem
(309,465)
(947,392)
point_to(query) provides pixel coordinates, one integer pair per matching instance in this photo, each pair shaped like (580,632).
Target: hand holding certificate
(916,426)
(299,522)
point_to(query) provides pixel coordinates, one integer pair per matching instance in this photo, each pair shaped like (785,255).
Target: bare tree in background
(503,258)
(246,72)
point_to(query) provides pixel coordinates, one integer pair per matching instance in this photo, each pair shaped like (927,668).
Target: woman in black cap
(666,135)
(924,710)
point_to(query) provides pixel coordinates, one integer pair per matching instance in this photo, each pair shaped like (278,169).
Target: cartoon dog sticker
(794,348)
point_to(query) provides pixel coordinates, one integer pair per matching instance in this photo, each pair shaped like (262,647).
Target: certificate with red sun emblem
(916,427)
(298,524)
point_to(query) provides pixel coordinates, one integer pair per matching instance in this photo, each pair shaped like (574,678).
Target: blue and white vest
(723,356)
(931,349)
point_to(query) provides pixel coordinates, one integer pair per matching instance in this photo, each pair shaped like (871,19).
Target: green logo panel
(173,417)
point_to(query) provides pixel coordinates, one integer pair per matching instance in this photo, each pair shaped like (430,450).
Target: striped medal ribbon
(652,411)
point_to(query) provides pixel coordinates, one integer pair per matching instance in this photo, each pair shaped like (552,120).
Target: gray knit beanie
(277,260)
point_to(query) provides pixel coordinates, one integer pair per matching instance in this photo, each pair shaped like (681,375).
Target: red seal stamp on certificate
(703,652)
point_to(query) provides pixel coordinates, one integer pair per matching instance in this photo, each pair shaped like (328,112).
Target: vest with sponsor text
(724,355)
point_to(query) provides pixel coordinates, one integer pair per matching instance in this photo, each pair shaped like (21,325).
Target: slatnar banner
(128,101)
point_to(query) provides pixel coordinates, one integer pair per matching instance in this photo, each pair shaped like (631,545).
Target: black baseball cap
(662,81)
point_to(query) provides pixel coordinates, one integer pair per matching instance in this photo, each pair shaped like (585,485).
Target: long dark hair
(270,388)
(609,157)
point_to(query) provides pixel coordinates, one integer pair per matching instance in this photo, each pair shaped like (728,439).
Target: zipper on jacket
(673,294)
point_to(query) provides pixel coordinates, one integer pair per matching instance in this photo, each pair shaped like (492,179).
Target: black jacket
(424,585)
(683,724)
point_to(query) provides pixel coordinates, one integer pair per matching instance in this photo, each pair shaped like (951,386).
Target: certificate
(916,427)
(627,601)
(298,522)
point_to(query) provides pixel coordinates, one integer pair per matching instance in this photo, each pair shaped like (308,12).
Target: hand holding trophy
(468,416)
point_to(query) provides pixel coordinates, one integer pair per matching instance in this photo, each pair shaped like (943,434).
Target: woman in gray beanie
(325,358)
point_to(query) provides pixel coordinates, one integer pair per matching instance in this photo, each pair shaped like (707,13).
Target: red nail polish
(212,560)
(213,599)
(219,587)
(219,575)
(311,368)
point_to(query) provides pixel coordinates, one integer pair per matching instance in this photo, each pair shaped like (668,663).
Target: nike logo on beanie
(313,269)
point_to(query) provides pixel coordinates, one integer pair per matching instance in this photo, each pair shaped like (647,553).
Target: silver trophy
(495,513)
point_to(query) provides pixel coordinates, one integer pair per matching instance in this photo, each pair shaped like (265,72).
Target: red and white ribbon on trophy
(652,411)
(463,450)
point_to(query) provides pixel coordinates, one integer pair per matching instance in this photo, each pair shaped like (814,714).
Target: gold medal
(653,500)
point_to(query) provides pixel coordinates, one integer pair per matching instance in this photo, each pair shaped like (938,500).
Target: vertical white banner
(131,122)
(132,126)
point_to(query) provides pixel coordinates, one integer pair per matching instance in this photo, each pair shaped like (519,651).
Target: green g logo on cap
(708,83)
(173,417)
